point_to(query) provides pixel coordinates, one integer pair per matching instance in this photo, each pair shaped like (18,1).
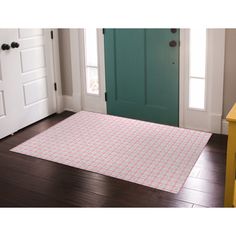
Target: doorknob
(172,43)
(5,47)
(15,45)
(173,31)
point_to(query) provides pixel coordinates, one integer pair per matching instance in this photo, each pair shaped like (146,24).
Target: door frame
(56,71)
(82,100)
(214,109)
(183,55)
(209,119)
(93,102)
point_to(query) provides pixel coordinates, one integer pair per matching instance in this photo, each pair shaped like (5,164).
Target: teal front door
(142,74)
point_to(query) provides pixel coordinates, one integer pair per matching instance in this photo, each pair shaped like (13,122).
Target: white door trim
(102,73)
(209,119)
(183,74)
(216,74)
(56,70)
(93,102)
(81,100)
(213,113)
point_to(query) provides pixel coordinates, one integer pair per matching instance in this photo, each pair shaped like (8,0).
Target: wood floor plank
(213,176)
(24,198)
(195,197)
(198,206)
(212,157)
(43,179)
(203,185)
(154,203)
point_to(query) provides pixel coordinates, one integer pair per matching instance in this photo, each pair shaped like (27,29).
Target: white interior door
(34,59)
(27,84)
(8,87)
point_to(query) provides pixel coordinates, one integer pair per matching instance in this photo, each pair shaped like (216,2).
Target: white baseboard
(224,129)
(215,123)
(60,103)
(68,103)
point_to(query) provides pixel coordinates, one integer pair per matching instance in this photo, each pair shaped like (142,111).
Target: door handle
(5,47)
(172,43)
(15,45)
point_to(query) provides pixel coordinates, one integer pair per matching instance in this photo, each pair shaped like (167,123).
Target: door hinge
(55,86)
(51,34)
(103,30)
(106,96)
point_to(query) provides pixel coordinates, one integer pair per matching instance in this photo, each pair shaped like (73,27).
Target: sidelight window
(197,68)
(91,61)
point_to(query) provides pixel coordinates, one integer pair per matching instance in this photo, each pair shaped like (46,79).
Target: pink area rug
(150,154)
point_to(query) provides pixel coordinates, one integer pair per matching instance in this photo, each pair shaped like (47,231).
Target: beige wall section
(230,71)
(65,61)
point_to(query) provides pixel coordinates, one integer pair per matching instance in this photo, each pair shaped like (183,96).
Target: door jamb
(77,78)
(77,70)
(56,70)
(214,82)
(183,57)
(183,73)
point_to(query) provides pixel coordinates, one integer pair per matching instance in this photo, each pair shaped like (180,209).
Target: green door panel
(142,74)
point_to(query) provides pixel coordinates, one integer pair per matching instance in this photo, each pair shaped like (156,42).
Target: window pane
(197,93)
(91,47)
(91,61)
(197,52)
(92,80)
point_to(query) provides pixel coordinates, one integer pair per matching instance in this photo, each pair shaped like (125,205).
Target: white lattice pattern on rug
(150,154)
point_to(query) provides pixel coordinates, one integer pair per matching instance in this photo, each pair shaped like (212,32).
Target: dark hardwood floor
(31,182)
